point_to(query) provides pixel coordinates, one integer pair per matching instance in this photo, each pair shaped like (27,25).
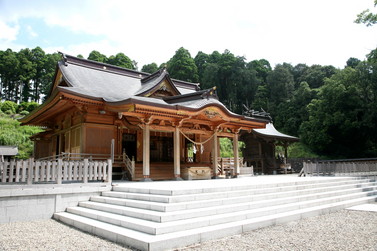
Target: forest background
(333,111)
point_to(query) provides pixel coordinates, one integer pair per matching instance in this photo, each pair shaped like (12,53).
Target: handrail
(130,165)
(228,163)
(81,156)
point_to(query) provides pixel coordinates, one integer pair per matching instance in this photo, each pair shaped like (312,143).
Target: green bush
(27,106)
(9,107)
(13,134)
(24,113)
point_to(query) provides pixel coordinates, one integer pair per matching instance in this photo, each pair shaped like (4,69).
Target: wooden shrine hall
(161,127)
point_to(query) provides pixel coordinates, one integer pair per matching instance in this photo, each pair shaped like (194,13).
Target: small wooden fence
(352,167)
(227,166)
(55,171)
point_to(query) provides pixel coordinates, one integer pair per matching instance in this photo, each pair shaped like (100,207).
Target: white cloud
(8,33)
(31,32)
(296,31)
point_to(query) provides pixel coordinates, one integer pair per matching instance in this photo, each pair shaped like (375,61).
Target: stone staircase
(167,215)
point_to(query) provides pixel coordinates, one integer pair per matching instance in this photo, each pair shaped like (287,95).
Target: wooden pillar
(235,151)
(146,153)
(286,153)
(177,157)
(214,155)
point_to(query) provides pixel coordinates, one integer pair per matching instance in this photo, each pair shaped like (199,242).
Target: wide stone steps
(224,215)
(222,198)
(143,195)
(160,218)
(155,212)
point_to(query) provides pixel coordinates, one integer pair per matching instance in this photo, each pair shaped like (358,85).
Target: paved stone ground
(343,230)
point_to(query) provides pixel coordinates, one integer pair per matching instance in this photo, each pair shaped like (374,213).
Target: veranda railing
(55,171)
(228,165)
(351,167)
(123,158)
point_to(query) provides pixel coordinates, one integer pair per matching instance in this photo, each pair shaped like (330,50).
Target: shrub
(24,113)
(27,106)
(13,134)
(9,106)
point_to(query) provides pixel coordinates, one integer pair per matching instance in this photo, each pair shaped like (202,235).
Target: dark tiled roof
(110,83)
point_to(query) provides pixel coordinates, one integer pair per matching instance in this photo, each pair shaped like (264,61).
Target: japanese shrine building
(153,119)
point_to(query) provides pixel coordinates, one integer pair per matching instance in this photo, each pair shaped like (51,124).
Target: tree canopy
(367,17)
(332,110)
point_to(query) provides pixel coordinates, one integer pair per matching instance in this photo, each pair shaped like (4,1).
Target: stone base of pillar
(146,178)
(177,179)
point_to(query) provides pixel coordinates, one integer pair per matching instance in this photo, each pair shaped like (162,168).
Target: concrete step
(213,217)
(219,198)
(144,241)
(231,192)
(211,188)
(167,215)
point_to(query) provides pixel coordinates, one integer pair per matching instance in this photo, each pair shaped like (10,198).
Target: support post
(59,174)
(215,155)
(177,158)
(146,153)
(110,171)
(112,149)
(235,151)
(30,171)
(85,171)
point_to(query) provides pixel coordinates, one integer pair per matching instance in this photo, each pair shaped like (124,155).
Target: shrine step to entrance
(171,214)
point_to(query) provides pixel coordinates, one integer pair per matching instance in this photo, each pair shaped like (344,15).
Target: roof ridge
(101,66)
(154,75)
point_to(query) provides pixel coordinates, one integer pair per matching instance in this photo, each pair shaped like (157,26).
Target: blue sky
(293,31)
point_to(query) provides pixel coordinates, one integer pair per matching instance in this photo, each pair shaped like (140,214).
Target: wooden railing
(82,156)
(130,166)
(228,165)
(55,171)
(355,167)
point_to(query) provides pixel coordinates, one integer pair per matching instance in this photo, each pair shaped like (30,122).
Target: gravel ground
(343,230)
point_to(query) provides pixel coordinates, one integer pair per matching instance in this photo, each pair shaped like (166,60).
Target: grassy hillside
(13,134)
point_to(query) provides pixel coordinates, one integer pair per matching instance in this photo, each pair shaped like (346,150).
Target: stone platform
(170,214)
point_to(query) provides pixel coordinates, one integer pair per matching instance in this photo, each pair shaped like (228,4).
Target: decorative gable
(158,85)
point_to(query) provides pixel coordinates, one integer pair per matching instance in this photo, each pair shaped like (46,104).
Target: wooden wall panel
(42,148)
(98,139)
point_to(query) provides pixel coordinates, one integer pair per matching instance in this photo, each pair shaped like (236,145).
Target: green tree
(261,100)
(262,68)
(352,62)
(121,60)
(150,68)
(342,118)
(182,66)
(27,71)
(97,56)
(280,83)
(201,61)
(367,17)
(294,111)
(9,73)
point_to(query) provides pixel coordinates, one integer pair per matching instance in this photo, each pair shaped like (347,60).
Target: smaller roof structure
(271,133)
(8,150)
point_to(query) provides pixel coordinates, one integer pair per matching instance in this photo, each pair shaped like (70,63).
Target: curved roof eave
(181,107)
(271,132)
